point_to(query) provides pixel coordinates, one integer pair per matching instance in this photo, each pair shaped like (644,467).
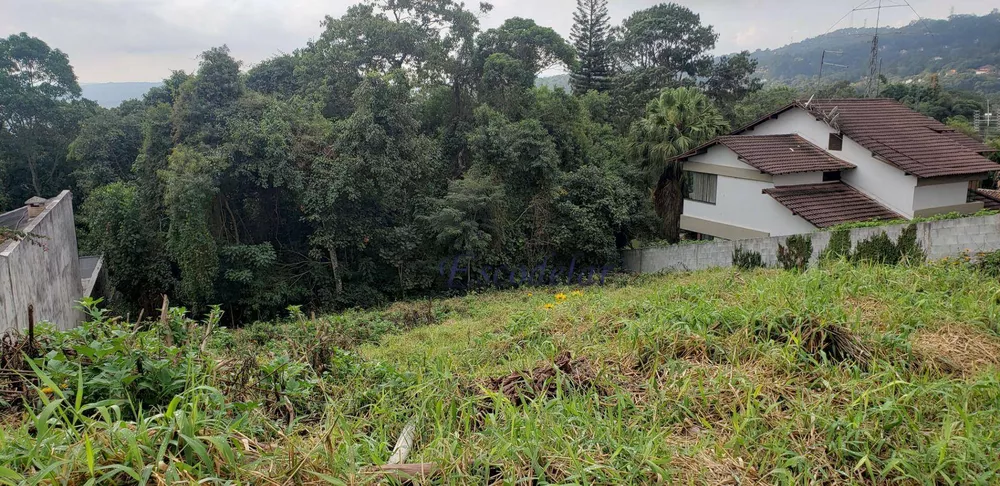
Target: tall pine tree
(591,26)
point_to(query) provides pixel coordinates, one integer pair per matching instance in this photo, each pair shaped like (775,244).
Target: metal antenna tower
(871,89)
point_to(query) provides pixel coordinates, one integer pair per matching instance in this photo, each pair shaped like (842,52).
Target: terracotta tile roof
(782,154)
(912,142)
(830,204)
(989,197)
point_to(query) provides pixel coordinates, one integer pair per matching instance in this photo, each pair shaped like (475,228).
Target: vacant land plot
(839,375)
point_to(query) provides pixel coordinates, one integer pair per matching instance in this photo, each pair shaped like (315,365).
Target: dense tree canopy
(344,173)
(39,114)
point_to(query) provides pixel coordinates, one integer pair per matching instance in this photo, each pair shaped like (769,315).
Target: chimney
(35,206)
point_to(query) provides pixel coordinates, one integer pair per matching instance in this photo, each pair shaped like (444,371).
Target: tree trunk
(338,285)
(669,203)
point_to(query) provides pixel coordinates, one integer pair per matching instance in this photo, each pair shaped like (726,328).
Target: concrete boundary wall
(44,278)
(938,239)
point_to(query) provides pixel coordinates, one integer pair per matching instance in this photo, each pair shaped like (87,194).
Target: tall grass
(705,378)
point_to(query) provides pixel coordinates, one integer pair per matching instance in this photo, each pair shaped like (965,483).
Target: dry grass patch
(710,467)
(520,387)
(957,348)
(873,311)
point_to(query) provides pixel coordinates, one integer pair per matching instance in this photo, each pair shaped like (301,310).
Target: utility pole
(822,62)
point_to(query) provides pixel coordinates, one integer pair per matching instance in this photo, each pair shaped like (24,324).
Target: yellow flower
(560,296)
(46,390)
(549,306)
(576,293)
(530,294)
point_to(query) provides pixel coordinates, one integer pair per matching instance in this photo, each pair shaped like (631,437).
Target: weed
(747,259)
(796,255)
(839,246)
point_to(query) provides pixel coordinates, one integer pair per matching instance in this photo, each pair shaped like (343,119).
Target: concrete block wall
(939,239)
(43,278)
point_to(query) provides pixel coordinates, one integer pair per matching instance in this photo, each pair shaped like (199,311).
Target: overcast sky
(143,40)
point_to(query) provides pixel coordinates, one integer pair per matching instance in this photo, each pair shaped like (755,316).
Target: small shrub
(989,263)
(747,259)
(796,255)
(881,249)
(839,247)
(909,248)
(877,249)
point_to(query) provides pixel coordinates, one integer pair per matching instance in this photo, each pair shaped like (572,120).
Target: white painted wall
(881,181)
(722,155)
(796,179)
(742,202)
(940,195)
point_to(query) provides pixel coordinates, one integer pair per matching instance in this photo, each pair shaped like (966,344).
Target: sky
(144,40)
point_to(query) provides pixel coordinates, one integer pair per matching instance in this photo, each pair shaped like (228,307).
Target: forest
(404,135)
(952,47)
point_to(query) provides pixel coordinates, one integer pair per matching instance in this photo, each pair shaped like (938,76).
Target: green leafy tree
(761,103)
(204,101)
(113,226)
(660,47)
(106,148)
(191,184)
(537,48)
(361,201)
(590,37)
(676,122)
(730,80)
(505,84)
(38,116)
(274,76)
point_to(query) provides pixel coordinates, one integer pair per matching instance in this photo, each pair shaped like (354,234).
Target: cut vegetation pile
(544,380)
(840,374)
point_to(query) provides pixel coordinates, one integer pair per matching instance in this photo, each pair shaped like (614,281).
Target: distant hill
(955,48)
(557,81)
(110,95)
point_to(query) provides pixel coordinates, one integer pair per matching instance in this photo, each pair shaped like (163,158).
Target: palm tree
(677,121)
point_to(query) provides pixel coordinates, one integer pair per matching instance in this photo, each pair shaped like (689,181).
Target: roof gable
(901,137)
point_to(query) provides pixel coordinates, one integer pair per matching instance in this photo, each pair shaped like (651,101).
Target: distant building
(42,278)
(818,164)
(986,70)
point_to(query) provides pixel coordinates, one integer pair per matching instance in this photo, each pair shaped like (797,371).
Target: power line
(922,21)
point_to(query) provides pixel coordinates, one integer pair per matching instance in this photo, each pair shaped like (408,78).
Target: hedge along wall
(937,239)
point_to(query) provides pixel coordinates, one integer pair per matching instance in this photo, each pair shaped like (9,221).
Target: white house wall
(742,203)
(879,180)
(940,195)
(722,155)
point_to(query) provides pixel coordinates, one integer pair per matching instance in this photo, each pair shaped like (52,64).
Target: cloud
(144,40)
(747,38)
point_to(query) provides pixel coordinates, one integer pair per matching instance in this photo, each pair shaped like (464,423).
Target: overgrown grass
(841,374)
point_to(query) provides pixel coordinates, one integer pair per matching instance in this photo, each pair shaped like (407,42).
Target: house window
(836,142)
(831,176)
(702,187)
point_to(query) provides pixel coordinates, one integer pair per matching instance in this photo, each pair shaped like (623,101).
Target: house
(817,164)
(986,70)
(42,277)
